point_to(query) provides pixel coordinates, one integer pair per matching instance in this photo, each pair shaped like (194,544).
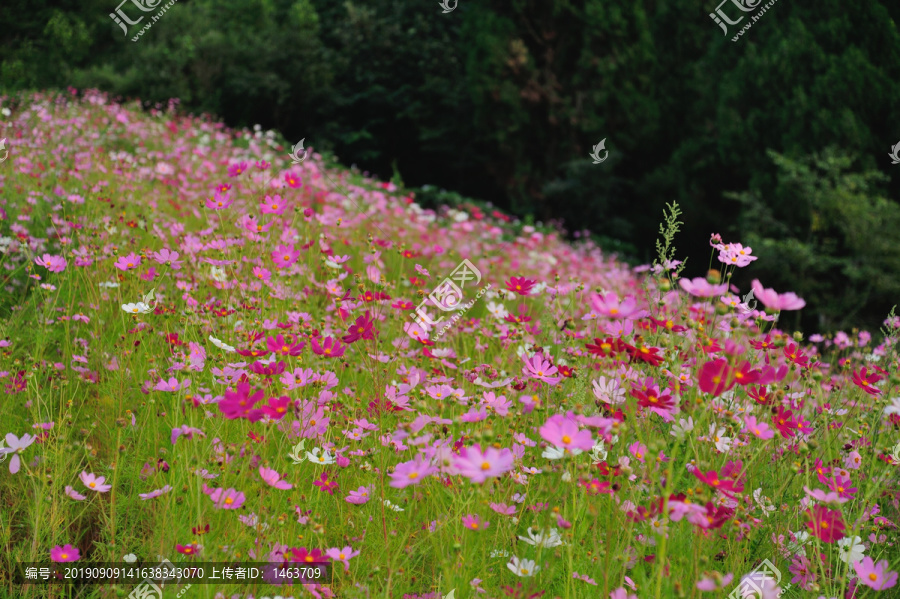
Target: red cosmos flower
(867,381)
(795,356)
(191,549)
(361,329)
(330,348)
(605,470)
(711,346)
(760,395)
(826,524)
(520,285)
(667,324)
(605,347)
(715,377)
(746,376)
(785,423)
(726,486)
(279,344)
(646,354)
(652,398)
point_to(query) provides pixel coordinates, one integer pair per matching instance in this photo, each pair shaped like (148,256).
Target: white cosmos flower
(851,550)
(319,456)
(797,547)
(550,538)
(220,344)
(130,558)
(109,284)
(894,408)
(524,567)
(391,506)
(763,502)
(497,310)
(554,453)
(682,428)
(499,553)
(218,274)
(137,308)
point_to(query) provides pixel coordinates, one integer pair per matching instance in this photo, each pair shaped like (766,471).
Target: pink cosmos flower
(877,576)
(358,497)
(129,262)
(621,593)
(221,201)
(273,205)
(772,300)
(167,257)
(412,472)
(172,385)
(187,431)
(541,369)
(261,273)
(757,429)
(474,522)
(342,555)
(736,255)
(65,553)
(155,493)
(285,255)
(478,466)
(503,509)
(292,180)
(52,263)
(700,287)
(95,483)
(609,305)
(71,492)
(273,479)
(228,499)
(236,170)
(565,433)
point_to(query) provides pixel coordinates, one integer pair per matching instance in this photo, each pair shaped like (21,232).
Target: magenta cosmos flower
(877,576)
(128,262)
(700,287)
(411,473)
(167,257)
(95,483)
(65,553)
(330,348)
(478,466)
(52,263)
(172,385)
(273,479)
(565,433)
(775,301)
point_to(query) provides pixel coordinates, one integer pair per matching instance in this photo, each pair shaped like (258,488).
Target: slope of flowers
(213,354)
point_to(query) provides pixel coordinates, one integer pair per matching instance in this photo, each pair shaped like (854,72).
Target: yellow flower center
(566,439)
(485,466)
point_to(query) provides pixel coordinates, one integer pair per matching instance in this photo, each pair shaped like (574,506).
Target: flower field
(212,353)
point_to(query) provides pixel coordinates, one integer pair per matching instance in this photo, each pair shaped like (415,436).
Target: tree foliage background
(779,140)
